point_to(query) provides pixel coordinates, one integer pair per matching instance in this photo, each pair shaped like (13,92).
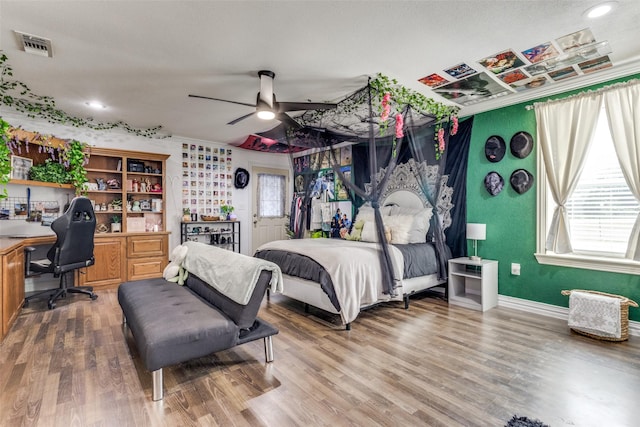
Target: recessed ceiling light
(600,9)
(97,105)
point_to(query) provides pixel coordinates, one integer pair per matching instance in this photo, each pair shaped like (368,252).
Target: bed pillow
(420,226)
(369,233)
(419,220)
(400,226)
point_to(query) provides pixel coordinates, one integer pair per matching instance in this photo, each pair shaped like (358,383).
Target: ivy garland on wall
(17,95)
(65,163)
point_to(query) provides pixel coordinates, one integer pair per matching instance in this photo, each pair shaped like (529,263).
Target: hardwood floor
(432,365)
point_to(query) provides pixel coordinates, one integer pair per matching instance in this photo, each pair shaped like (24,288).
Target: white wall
(117,139)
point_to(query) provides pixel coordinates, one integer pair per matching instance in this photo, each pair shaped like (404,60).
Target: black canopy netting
(384,133)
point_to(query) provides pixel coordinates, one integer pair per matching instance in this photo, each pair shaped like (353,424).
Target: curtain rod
(586,93)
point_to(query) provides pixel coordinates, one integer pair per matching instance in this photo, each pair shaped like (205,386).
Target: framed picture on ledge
(20,167)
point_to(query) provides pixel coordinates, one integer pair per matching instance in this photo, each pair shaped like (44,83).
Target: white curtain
(565,129)
(623,113)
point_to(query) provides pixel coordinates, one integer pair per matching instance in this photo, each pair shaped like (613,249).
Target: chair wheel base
(51,305)
(94,296)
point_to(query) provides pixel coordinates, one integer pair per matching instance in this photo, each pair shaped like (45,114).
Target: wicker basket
(624,315)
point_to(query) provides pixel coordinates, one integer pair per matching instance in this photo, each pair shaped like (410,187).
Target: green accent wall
(511,217)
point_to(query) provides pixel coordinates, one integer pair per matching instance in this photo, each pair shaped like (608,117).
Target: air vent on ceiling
(34,44)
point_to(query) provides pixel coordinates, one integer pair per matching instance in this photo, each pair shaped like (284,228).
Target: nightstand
(473,284)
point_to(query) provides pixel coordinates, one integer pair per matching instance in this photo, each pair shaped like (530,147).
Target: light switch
(515,269)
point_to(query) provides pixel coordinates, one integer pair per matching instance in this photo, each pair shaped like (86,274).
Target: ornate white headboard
(402,188)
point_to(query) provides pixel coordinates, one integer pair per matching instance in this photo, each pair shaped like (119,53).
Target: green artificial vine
(404,97)
(17,95)
(5,158)
(75,155)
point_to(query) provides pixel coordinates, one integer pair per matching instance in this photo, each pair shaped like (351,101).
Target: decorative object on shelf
(156,188)
(476,232)
(186,214)
(74,155)
(20,167)
(241,178)
(495,148)
(145,205)
(494,183)
(521,180)
(101,184)
(226,210)
(116,205)
(113,184)
(521,144)
(102,228)
(116,225)
(49,171)
(136,206)
(156,205)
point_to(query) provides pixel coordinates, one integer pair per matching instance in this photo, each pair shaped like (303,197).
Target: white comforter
(354,268)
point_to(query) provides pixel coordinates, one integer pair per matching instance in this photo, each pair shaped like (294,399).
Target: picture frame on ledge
(20,167)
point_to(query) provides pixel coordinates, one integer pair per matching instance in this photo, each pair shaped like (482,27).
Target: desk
(120,257)
(12,277)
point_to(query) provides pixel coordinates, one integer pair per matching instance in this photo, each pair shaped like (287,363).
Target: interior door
(270,205)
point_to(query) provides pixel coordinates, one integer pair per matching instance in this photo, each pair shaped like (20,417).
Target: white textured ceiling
(142,58)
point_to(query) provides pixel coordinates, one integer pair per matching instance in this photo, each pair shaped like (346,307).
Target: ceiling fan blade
(296,106)
(246,116)
(223,100)
(286,120)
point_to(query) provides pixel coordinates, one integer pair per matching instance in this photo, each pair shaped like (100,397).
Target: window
(601,211)
(271,194)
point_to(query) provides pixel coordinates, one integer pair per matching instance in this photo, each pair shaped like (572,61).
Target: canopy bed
(411,212)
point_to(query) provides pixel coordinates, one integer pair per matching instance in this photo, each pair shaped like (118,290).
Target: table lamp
(476,232)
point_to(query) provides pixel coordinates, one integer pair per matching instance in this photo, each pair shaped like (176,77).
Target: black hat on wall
(494,148)
(521,144)
(521,180)
(241,178)
(494,183)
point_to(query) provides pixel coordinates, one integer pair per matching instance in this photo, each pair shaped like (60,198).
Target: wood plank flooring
(431,365)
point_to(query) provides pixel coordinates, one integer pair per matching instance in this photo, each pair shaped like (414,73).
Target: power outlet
(515,269)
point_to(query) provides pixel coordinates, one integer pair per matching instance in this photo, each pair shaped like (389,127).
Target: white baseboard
(549,310)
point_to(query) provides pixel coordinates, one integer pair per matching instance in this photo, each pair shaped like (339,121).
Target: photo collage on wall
(207,178)
(313,171)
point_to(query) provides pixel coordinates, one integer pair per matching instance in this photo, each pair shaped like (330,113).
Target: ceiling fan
(266,106)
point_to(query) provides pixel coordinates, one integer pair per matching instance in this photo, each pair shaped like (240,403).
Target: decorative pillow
(400,226)
(365,213)
(369,233)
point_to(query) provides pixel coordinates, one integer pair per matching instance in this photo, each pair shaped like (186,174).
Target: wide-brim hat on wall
(494,183)
(241,178)
(494,148)
(521,180)
(521,144)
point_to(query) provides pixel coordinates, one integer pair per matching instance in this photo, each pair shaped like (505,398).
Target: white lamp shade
(477,231)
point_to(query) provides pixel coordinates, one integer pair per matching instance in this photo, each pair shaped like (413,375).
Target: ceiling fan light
(266,114)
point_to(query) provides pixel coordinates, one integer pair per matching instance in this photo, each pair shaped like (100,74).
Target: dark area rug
(517,421)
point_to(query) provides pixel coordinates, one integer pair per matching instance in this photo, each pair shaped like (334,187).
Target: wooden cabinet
(147,255)
(109,268)
(129,186)
(12,274)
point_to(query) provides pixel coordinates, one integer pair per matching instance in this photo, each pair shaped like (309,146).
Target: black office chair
(72,250)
